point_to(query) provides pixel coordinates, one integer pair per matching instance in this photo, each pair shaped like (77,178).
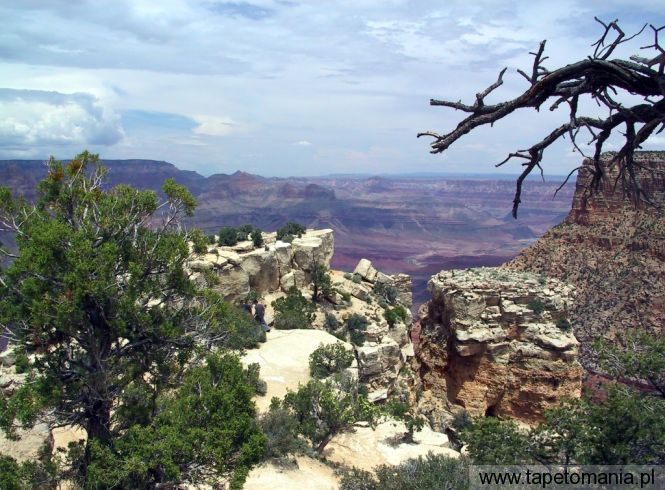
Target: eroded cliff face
(496,343)
(270,267)
(613,252)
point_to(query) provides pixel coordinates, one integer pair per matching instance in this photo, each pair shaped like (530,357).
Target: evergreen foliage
(281,430)
(326,408)
(119,333)
(321,282)
(228,236)
(394,315)
(423,473)
(290,230)
(293,311)
(356,325)
(329,359)
(257,237)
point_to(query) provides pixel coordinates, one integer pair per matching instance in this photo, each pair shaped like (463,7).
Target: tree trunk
(322,445)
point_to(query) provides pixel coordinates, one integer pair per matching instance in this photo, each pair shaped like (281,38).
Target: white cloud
(302,143)
(33,118)
(214,125)
(350,75)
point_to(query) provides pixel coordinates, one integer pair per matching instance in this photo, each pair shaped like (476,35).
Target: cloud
(350,75)
(241,9)
(214,125)
(36,118)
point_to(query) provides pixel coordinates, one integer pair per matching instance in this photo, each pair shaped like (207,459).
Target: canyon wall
(496,343)
(613,251)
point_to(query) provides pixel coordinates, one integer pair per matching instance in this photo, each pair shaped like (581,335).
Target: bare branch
(596,77)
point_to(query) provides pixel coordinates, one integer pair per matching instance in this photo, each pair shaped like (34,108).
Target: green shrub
(356,325)
(228,236)
(348,275)
(393,315)
(291,228)
(536,306)
(22,363)
(240,329)
(254,379)
(321,282)
(293,311)
(209,418)
(423,473)
(329,359)
(357,338)
(252,296)
(199,241)
(245,230)
(281,430)
(257,238)
(346,296)
(461,420)
(331,323)
(564,325)
(495,442)
(326,408)
(357,278)
(386,291)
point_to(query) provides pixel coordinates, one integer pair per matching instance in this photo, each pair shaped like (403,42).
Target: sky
(287,88)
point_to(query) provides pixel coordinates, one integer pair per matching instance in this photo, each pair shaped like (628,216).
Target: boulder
(262,270)
(366,270)
(233,282)
(293,278)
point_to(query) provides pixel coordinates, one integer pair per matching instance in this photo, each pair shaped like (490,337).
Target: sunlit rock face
(270,267)
(613,251)
(497,343)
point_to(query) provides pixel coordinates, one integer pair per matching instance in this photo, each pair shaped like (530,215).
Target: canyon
(417,225)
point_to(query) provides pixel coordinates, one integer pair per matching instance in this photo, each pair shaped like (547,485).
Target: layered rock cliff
(612,251)
(496,343)
(270,267)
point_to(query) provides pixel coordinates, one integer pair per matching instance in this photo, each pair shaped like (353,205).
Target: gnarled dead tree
(597,77)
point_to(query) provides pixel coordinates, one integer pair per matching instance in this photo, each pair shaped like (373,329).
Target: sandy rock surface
(284,360)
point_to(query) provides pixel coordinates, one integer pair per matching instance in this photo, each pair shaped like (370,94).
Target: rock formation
(386,348)
(277,265)
(612,251)
(496,343)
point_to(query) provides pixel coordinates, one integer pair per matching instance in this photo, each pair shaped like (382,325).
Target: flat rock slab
(310,474)
(284,360)
(366,448)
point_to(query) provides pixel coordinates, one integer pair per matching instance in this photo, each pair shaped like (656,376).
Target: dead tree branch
(596,77)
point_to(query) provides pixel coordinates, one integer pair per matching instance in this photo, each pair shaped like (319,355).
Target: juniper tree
(98,296)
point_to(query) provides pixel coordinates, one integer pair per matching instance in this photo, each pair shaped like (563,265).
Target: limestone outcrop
(277,265)
(613,252)
(386,348)
(496,343)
